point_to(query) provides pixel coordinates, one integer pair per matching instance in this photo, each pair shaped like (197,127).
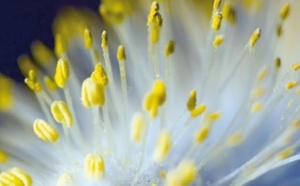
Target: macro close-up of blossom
(150,93)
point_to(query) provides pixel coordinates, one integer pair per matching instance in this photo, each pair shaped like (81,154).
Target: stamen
(235,139)
(285,10)
(92,93)
(94,166)
(122,58)
(163,146)
(50,83)
(41,53)
(217,4)
(286,153)
(33,82)
(60,46)
(229,13)
(61,113)
(218,41)
(88,38)
(6,93)
(295,67)
(15,176)
(192,101)
(198,111)
(3,157)
(45,131)
(183,175)
(216,22)
(290,85)
(170,48)
(254,37)
(99,75)
(66,179)
(138,127)
(62,73)
(202,134)
(26,64)
(256,107)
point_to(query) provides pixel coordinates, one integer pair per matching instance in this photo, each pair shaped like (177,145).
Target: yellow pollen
(153,10)
(60,47)
(3,157)
(183,175)
(33,82)
(170,48)
(262,74)
(214,116)
(218,40)
(94,166)
(277,63)
(198,110)
(61,113)
(15,176)
(88,38)
(154,23)
(92,93)
(217,4)
(115,11)
(295,67)
(99,75)
(192,101)
(26,64)
(41,53)
(62,73)
(284,12)
(104,41)
(229,13)
(121,55)
(137,129)
(286,153)
(279,30)
(202,134)
(235,139)
(45,131)
(159,92)
(50,83)
(257,93)
(6,93)
(256,107)
(290,85)
(163,146)
(254,37)
(216,22)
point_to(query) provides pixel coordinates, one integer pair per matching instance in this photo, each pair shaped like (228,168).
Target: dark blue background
(23,21)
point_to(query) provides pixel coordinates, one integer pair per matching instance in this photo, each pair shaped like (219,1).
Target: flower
(179,104)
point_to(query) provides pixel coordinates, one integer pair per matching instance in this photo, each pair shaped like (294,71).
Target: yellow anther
(66,179)
(202,134)
(3,157)
(229,13)
(115,11)
(295,67)
(6,93)
(26,64)
(218,40)
(7,179)
(33,82)
(41,53)
(104,41)
(284,12)
(216,22)
(198,111)
(279,30)
(291,84)
(296,124)
(277,63)
(235,139)
(151,105)
(214,116)
(94,166)
(45,131)
(163,146)
(21,175)
(254,37)
(183,175)
(138,124)
(159,92)
(50,83)
(286,153)
(256,107)
(99,75)
(60,46)
(217,4)
(61,113)
(121,55)
(170,48)
(257,93)
(192,101)
(88,38)
(153,10)
(162,174)
(262,74)
(62,73)
(92,93)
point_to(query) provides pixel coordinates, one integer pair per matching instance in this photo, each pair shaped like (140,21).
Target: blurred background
(22,22)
